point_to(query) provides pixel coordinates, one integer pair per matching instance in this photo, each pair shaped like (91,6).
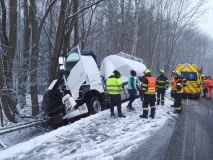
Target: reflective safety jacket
(177,85)
(149,85)
(209,83)
(162,82)
(113,85)
(132,82)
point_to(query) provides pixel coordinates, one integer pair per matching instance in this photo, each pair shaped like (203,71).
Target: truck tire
(94,105)
(52,103)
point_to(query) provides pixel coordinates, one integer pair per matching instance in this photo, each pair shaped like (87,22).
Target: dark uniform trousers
(160,96)
(178,102)
(132,95)
(204,92)
(115,100)
(149,99)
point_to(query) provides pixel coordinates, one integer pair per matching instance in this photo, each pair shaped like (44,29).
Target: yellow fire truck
(192,74)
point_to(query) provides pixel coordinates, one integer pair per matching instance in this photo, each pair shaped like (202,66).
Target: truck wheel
(94,105)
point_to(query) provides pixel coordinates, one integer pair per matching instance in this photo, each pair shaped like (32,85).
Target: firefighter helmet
(178,73)
(162,71)
(147,71)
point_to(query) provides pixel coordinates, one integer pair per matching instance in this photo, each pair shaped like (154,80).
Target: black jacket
(162,82)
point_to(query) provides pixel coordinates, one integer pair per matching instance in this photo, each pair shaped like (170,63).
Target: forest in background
(34,33)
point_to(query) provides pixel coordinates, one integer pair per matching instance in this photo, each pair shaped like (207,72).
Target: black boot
(121,115)
(112,111)
(113,114)
(130,108)
(152,115)
(145,114)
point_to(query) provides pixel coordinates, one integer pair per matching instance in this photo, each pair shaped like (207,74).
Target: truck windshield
(190,76)
(72,59)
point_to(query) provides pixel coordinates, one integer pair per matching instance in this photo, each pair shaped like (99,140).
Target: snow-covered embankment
(95,137)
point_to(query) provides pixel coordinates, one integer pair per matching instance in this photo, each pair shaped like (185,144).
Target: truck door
(76,73)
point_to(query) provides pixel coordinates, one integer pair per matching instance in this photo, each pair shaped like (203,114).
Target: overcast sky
(206,22)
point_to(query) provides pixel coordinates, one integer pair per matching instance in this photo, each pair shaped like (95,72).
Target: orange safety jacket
(175,83)
(151,85)
(209,83)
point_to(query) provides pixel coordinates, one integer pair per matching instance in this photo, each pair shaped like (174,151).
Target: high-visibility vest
(174,86)
(129,83)
(209,83)
(114,85)
(151,88)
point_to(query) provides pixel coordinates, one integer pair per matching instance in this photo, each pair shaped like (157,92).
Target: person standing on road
(162,85)
(148,91)
(178,85)
(132,89)
(114,89)
(204,78)
(209,84)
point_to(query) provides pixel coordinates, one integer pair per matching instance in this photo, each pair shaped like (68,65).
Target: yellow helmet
(178,73)
(147,71)
(162,71)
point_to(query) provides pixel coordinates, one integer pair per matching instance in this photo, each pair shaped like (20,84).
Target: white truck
(80,86)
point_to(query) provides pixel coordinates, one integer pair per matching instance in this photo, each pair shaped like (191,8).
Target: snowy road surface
(190,138)
(96,137)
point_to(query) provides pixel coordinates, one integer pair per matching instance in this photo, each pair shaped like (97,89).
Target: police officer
(114,89)
(148,91)
(162,85)
(132,89)
(178,85)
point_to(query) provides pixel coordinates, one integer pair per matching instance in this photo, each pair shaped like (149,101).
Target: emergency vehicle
(192,74)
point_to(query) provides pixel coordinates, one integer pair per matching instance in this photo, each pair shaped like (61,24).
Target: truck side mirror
(61,61)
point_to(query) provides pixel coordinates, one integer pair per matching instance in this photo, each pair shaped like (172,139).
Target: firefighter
(148,91)
(204,78)
(172,89)
(209,87)
(178,85)
(132,89)
(114,89)
(162,85)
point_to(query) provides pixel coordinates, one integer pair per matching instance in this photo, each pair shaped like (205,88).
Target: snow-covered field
(95,137)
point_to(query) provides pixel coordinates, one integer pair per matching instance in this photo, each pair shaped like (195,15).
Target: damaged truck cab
(79,88)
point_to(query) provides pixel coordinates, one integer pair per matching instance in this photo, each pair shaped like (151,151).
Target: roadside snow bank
(96,137)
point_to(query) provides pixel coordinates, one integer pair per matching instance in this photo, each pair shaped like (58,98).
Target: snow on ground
(95,137)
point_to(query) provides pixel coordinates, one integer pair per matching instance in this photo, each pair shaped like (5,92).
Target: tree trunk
(122,26)
(26,56)
(59,40)
(75,19)
(7,93)
(34,58)
(4,23)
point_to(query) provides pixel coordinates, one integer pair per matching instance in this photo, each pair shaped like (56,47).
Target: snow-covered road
(95,137)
